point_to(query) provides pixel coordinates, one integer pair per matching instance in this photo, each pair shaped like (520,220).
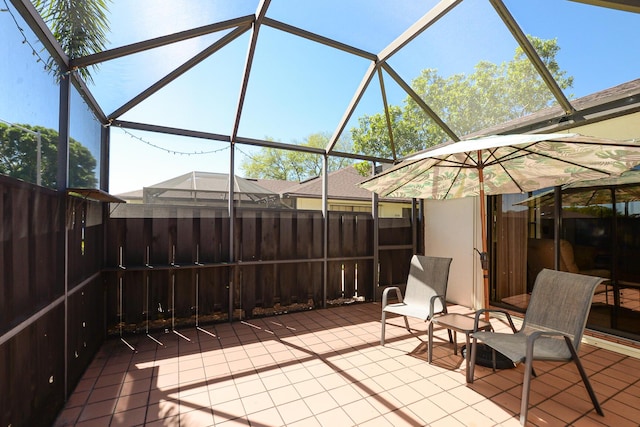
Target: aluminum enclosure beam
(431,17)
(170,130)
(386,114)
(179,71)
(84,91)
(533,56)
(259,17)
(119,52)
(420,102)
(319,39)
(364,83)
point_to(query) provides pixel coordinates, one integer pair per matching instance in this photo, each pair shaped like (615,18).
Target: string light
(248,155)
(166,150)
(34,52)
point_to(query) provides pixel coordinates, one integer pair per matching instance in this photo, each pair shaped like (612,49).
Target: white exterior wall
(385,209)
(452,229)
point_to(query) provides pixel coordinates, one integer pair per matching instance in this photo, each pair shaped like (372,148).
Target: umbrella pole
(484,261)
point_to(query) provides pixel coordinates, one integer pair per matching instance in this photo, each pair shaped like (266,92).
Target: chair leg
(526,386)
(384,322)
(472,359)
(444,311)
(584,377)
(406,323)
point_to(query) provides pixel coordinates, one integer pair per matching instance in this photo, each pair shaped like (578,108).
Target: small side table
(457,323)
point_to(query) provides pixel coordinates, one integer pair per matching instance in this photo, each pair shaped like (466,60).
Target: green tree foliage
(18,154)
(80,26)
(274,163)
(491,95)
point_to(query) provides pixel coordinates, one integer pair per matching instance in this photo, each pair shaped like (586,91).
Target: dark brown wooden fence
(70,273)
(37,306)
(172,266)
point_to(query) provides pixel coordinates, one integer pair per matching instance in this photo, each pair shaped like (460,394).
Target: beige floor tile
(267,417)
(257,402)
(131,417)
(321,402)
(228,411)
(294,411)
(335,418)
(361,411)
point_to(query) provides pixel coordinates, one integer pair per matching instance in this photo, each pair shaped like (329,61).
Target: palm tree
(79,25)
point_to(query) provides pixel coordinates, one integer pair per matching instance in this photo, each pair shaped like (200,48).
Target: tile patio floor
(327,368)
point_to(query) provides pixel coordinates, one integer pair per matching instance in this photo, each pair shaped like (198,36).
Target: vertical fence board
(209,247)
(160,299)
(334,269)
(269,285)
(185,237)
(349,242)
(22,301)
(6,291)
(364,247)
(249,251)
(160,242)
(184,296)
(213,295)
(134,288)
(86,328)
(74,219)
(287,278)
(135,249)
(47,259)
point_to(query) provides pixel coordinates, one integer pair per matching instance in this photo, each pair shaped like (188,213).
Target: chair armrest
(385,294)
(487,310)
(539,334)
(432,303)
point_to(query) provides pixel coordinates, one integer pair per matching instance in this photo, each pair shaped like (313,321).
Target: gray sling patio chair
(552,329)
(425,292)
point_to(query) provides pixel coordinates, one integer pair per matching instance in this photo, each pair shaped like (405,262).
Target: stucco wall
(621,128)
(385,209)
(452,229)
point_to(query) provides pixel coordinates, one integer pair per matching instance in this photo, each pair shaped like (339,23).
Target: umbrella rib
(400,181)
(526,151)
(511,177)
(460,166)
(498,161)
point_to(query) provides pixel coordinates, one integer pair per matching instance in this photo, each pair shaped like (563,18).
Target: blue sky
(298,87)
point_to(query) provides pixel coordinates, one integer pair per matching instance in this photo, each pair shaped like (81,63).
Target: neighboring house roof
(211,181)
(131,195)
(343,184)
(276,185)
